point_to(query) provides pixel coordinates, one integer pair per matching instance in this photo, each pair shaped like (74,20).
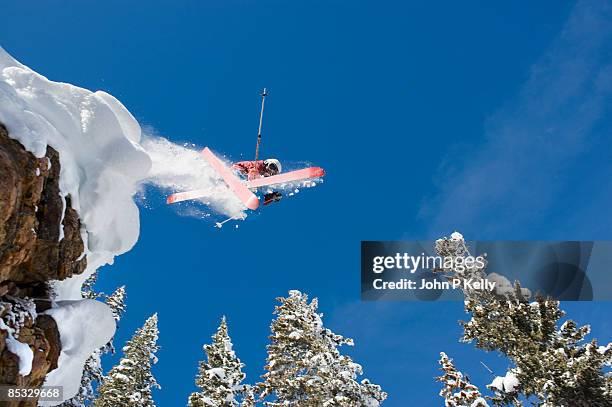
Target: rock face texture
(43,338)
(40,241)
(31,211)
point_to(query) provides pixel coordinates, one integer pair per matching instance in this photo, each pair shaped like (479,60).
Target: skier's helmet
(272,166)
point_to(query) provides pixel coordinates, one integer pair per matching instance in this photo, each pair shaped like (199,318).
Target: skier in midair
(245,178)
(261,168)
(258,168)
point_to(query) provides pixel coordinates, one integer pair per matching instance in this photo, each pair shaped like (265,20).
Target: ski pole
(263,100)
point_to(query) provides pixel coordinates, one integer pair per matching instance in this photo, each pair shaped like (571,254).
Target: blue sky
(428,117)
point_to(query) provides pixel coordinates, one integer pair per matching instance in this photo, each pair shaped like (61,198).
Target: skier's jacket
(251,169)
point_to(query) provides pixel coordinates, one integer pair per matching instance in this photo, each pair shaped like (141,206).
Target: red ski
(248,198)
(306,173)
(186,196)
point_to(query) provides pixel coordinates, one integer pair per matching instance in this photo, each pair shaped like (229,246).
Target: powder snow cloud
(181,168)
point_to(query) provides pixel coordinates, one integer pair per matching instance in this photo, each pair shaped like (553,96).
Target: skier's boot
(272,197)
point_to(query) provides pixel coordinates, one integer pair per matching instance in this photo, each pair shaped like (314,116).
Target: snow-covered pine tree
(304,366)
(130,383)
(116,302)
(458,391)
(220,376)
(553,362)
(87,289)
(248,399)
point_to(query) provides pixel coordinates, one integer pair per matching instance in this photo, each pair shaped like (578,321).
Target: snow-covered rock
(102,165)
(22,350)
(102,162)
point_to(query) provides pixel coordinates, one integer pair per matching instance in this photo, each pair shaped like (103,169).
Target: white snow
(456,236)
(101,160)
(505,384)
(23,352)
(479,402)
(503,286)
(182,168)
(84,326)
(216,371)
(295,335)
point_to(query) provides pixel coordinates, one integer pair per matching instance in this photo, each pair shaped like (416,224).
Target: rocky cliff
(40,241)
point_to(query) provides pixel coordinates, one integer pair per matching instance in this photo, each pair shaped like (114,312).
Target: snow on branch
(553,361)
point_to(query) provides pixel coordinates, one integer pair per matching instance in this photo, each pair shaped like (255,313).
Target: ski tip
(170,199)
(318,172)
(252,203)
